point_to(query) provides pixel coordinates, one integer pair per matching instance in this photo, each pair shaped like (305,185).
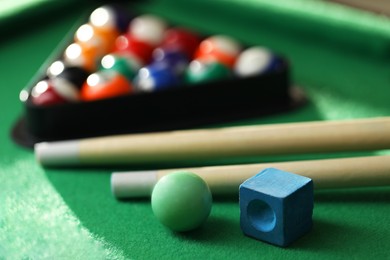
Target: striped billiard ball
(205,71)
(148,28)
(220,48)
(255,61)
(125,65)
(47,92)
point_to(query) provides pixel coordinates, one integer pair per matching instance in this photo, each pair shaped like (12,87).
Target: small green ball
(205,71)
(181,201)
(126,66)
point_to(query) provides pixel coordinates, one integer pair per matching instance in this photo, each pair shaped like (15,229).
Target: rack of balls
(114,54)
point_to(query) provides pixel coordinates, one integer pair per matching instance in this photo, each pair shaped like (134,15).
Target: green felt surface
(71,214)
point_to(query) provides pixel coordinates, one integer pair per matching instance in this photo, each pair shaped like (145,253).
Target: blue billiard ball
(176,59)
(155,77)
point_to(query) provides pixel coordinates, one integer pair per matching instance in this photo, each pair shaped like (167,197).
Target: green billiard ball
(181,201)
(125,65)
(204,71)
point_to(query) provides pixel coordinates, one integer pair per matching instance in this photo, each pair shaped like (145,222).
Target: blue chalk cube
(276,206)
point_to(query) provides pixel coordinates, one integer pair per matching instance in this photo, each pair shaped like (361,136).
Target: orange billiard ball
(82,56)
(105,84)
(98,38)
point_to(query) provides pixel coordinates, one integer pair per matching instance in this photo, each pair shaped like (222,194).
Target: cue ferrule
(133,184)
(58,153)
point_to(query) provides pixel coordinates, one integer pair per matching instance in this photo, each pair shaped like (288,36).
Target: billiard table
(342,66)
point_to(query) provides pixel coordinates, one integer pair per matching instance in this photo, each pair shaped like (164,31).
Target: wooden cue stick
(224,180)
(276,139)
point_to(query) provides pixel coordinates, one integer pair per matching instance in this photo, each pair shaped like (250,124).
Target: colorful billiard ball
(81,56)
(44,94)
(128,45)
(100,40)
(205,71)
(221,48)
(155,77)
(105,84)
(125,65)
(254,61)
(148,28)
(181,201)
(110,17)
(177,60)
(182,40)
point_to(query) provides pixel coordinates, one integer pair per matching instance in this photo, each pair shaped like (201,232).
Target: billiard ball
(254,61)
(125,65)
(176,59)
(105,84)
(182,40)
(65,77)
(128,45)
(221,48)
(55,68)
(81,56)
(44,93)
(148,28)
(100,40)
(110,17)
(156,76)
(181,201)
(204,71)
(73,75)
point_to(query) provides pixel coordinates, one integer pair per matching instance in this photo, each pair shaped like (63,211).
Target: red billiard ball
(182,40)
(221,48)
(48,92)
(105,84)
(132,47)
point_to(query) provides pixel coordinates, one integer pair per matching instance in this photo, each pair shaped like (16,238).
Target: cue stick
(225,180)
(204,144)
